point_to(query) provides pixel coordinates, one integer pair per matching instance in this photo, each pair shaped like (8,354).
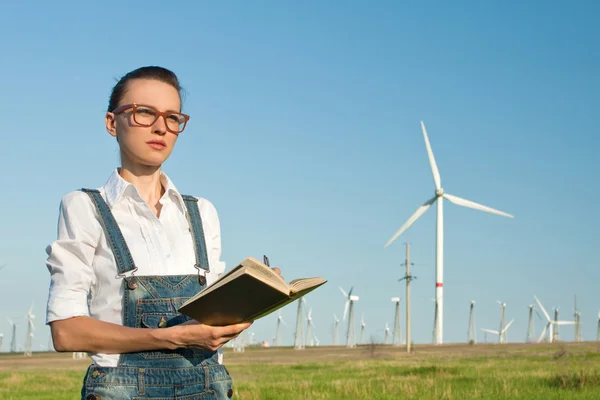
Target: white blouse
(83,271)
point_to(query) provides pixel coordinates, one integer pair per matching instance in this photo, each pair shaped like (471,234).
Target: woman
(130,253)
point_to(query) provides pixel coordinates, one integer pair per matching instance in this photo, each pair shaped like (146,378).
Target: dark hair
(150,72)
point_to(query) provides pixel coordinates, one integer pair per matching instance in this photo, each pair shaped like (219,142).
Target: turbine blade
(543,309)
(346,309)
(344,292)
(420,211)
(543,333)
(507,326)
(470,204)
(434,168)
(490,331)
(564,322)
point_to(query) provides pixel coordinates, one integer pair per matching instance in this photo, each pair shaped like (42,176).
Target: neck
(146,179)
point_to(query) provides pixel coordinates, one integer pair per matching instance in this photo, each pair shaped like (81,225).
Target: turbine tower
(502,321)
(278,328)
(397,336)
(598,329)
(362,329)
(349,305)
(387,333)
(472,334)
(555,339)
(550,325)
(298,334)
(309,326)
(439,196)
(336,330)
(13,339)
(530,325)
(30,328)
(435,322)
(1,337)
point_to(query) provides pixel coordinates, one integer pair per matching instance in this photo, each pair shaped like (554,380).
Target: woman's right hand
(194,335)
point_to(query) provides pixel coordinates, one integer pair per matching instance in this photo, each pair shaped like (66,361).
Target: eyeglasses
(146,116)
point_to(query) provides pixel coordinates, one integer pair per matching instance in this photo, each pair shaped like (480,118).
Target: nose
(160,126)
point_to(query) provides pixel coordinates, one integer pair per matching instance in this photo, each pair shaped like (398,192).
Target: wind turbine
(349,305)
(501,334)
(336,330)
(387,333)
(13,339)
(1,337)
(435,320)
(278,328)
(30,329)
(502,321)
(550,325)
(503,326)
(309,326)
(439,196)
(472,333)
(316,340)
(362,329)
(397,336)
(530,325)
(598,329)
(298,334)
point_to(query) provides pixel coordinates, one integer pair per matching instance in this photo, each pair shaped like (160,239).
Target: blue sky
(305,135)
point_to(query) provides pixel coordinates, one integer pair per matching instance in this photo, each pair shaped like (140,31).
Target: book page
(298,285)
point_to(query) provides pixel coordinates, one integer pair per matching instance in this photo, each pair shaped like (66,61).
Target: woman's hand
(278,272)
(191,334)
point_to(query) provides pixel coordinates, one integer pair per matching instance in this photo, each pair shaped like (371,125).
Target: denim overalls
(152,302)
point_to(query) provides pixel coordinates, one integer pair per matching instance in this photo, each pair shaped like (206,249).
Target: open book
(246,293)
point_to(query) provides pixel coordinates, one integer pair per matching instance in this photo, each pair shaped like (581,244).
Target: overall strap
(113,233)
(191,203)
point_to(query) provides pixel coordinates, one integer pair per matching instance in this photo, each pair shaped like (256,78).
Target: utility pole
(408,277)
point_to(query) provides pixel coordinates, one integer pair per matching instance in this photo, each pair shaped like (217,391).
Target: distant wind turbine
(439,196)
(551,323)
(349,306)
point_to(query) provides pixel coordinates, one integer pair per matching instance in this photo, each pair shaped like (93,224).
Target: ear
(111,124)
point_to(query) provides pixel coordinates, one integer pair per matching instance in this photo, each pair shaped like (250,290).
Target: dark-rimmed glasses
(146,116)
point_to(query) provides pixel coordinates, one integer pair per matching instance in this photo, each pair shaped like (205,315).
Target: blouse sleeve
(70,258)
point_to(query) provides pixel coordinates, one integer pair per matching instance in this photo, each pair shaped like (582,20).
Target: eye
(145,111)
(175,118)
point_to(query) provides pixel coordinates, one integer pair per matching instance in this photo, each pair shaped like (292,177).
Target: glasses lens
(144,115)
(175,122)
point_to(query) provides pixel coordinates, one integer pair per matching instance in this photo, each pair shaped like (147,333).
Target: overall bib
(152,302)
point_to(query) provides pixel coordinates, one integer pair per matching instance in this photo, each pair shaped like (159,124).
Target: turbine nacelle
(395,299)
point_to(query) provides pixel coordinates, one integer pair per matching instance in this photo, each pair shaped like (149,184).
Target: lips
(157,144)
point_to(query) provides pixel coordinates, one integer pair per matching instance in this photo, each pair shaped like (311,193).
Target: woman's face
(140,145)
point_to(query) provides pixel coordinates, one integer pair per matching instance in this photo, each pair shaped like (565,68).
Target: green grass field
(371,372)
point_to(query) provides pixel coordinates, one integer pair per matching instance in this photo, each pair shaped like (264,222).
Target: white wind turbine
(439,196)
(309,326)
(336,330)
(397,335)
(278,328)
(472,332)
(387,333)
(13,339)
(598,328)
(349,306)
(30,329)
(1,337)
(503,327)
(550,325)
(362,329)
(298,334)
